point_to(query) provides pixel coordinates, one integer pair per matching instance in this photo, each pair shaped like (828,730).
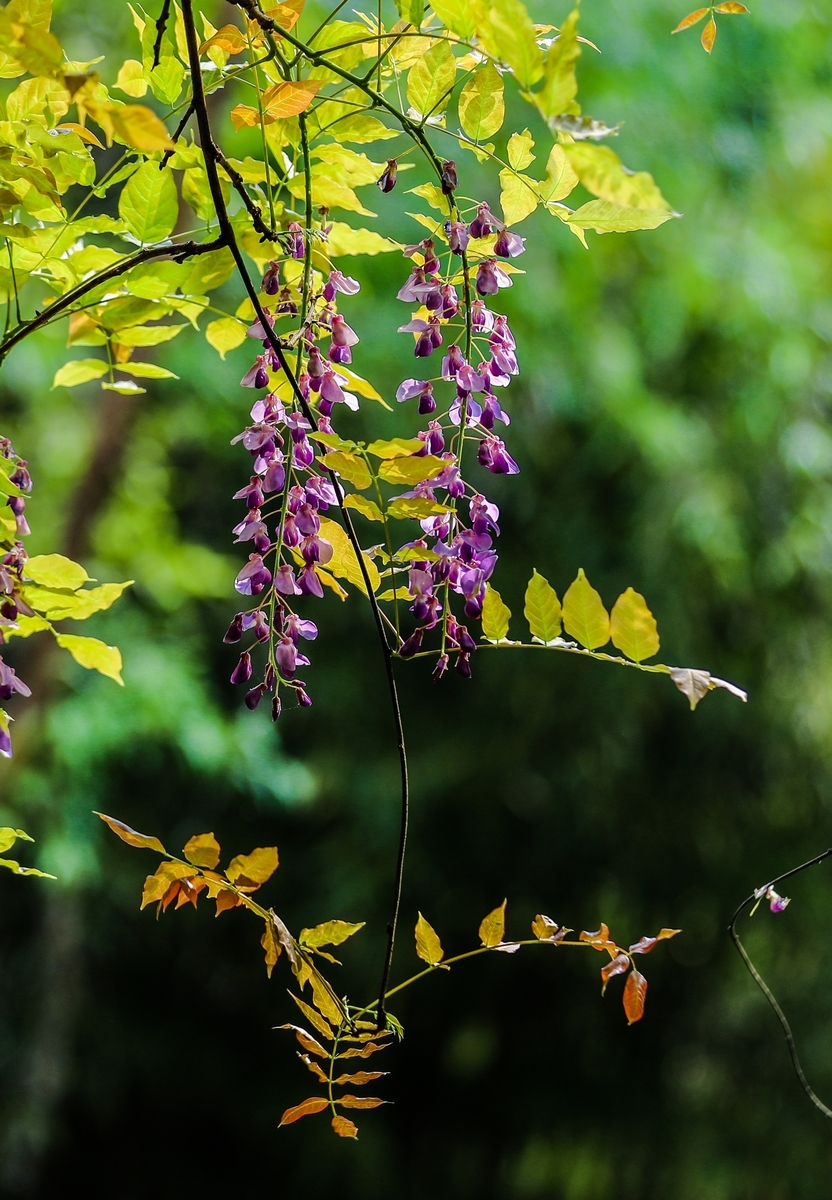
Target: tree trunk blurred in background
(672,429)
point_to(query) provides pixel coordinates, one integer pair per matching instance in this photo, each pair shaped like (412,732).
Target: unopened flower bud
(389,176)
(449,179)
(242,671)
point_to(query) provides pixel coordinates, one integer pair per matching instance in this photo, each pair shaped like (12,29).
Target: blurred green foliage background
(672,427)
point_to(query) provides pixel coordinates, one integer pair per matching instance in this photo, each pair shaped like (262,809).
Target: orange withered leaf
(130,836)
(644,945)
(691,19)
(360,1101)
(248,872)
(709,36)
(360,1078)
(226,900)
(229,39)
(314,1104)
(157,885)
(203,850)
(618,966)
(635,990)
(272,947)
(344,1127)
(314,1068)
(493,926)
(731,6)
(306,1040)
(289,98)
(364,1052)
(286,15)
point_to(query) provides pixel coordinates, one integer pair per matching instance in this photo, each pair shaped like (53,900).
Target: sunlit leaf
(456,15)
(364,1052)
(482,107)
(493,926)
(156,886)
(141,840)
(314,1017)
(412,470)
(617,966)
(360,1078)
(250,871)
(94,655)
(431,79)
(229,38)
(635,991)
(203,850)
(547,930)
(506,31)
(395,447)
(140,128)
(560,85)
(428,945)
(324,1001)
(330,933)
(9,836)
(83,604)
(314,1104)
(495,616)
(731,6)
(518,196)
(367,508)
(691,19)
(343,239)
(131,78)
(415,508)
(80,370)
(288,98)
(601,172)
(344,1127)
(271,945)
(633,627)
(55,571)
(148,204)
(584,615)
(360,1101)
(16,869)
(542,609)
(344,562)
(708,38)
(306,1040)
(520,150)
(351,466)
(605,217)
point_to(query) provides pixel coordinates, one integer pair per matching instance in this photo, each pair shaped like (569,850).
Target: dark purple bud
(427,403)
(286,657)
(441,666)
(450,301)
(457,236)
(389,176)
(424,346)
(487,284)
(294,240)
(304,700)
(276,707)
(463,665)
(275,476)
(413,644)
(253,698)
(286,304)
(466,642)
(261,377)
(482,226)
(473,608)
(234,631)
(242,671)
(449,179)
(431,263)
(271,282)
(509,245)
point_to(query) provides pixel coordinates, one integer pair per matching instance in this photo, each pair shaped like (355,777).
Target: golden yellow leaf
(635,991)
(250,871)
(314,1104)
(360,1101)
(360,1078)
(314,1018)
(691,19)
(272,947)
(411,470)
(584,616)
(140,127)
(229,38)
(731,6)
(708,39)
(203,850)
(157,884)
(289,98)
(130,836)
(351,466)
(324,1001)
(633,627)
(344,1127)
(242,115)
(493,926)
(428,945)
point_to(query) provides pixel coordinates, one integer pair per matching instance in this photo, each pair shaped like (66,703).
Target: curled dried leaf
(306,1040)
(635,991)
(618,966)
(344,1127)
(141,840)
(360,1078)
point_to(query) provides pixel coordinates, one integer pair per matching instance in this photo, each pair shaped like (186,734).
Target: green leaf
(495,616)
(561,178)
(456,15)
(428,945)
(330,933)
(84,604)
(149,205)
(367,508)
(225,334)
(412,11)
(542,609)
(146,370)
(395,447)
(493,926)
(601,172)
(80,370)
(520,146)
(414,508)
(55,571)
(16,869)
(431,79)
(148,335)
(506,31)
(411,470)
(518,196)
(584,615)
(351,466)
(560,85)
(633,627)
(482,108)
(605,217)
(94,655)
(9,836)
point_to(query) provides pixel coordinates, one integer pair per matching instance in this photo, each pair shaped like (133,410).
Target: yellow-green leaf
(518,196)
(344,562)
(330,933)
(84,604)
(203,850)
(131,78)
(560,84)
(495,616)
(141,840)
(94,655)
(411,470)
(252,870)
(606,217)
(520,146)
(367,508)
(561,177)
(225,334)
(395,447)
(482,108)
(493,926)
(456,15)
(601,172)
(584,615)
(343,239)
(80,370)
(542,609)
(141,128)
(9,836)
(414,508)
(149,205)
(55,571)
(351,466)
(428,945)
(633,626)
(506,31)
(431,79)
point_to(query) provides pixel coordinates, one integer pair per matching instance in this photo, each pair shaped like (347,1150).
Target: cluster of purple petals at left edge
(12,603)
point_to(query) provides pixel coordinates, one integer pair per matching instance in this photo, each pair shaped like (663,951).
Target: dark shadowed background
(671,423)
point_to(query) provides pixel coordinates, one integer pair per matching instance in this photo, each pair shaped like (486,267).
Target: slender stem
(161,26)
(763,986)
(229,238)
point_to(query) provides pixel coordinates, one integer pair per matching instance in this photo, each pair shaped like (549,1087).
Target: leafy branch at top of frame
(342,1031)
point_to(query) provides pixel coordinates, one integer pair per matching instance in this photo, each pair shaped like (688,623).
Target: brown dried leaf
(203,850)
(130,836)
(635,990)
(344,1127)
(617,967)
(493,926)
(709,36)
(156,886)
(360,1101)
(248,872)
(360,1078)
(306,1040)
(313,1017)
(547,930)
(644,945)
(314,1104)
(691,19)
